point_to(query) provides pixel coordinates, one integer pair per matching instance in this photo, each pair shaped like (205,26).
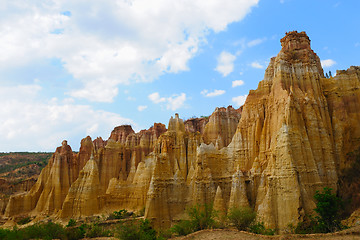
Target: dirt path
(226,234)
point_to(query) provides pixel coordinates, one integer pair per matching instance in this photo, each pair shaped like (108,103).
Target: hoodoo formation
(289,139)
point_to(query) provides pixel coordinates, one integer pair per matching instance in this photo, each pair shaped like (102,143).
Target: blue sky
(69,69)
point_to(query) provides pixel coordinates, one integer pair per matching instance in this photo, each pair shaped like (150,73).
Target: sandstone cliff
(290,138)
(50,190)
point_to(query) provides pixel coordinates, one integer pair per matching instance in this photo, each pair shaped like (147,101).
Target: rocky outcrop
(83,198)
(290,138)
(286,128)
(52,186)
(196,124)
(221,126)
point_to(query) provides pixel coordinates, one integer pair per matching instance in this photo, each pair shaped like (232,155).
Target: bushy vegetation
(328,208)
(201,217)
(19,160)
(183,227)
(71,223)
(259,228)
(75,233)
(242,217)
(95,230)
(121,214)
(137,230)
(52,230)
(45,231)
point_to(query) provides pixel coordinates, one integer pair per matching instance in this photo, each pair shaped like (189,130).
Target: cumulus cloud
(34,124)
(106,43)
(142,108)
(225,63)
(214,93)
(327,63)
(155,98)
(174,102)
(239,100)
(256,65)
(237,83)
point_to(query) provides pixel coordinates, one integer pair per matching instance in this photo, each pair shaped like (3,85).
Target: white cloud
(237,83)
(34,124)
(257,65)
(214,93)
(142,108)
(106,43)
(327,63)
(174,102)
(155,98)
(255,42)
(225,64)
(239,100)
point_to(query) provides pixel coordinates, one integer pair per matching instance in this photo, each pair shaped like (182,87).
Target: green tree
(242,217)
(328,208)
(202,216)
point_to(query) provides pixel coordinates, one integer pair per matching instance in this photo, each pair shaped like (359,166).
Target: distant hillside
(16,167)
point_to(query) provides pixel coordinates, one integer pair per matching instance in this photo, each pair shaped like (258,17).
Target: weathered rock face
(52,186)
(286,128)
(221,126)
(196,124)
(289,139)
(83,198)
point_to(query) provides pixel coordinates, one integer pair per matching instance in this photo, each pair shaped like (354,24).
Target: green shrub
(242,217)
(259,228)
(202,216)
(14,234)
(4,233)
(95,230)
(137,230)
(328,207)
(123,213)
(308,226)
(71,223)
(128,231)
(165,234)
(75,233)
(45,231)
(147,232)
(183,227)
